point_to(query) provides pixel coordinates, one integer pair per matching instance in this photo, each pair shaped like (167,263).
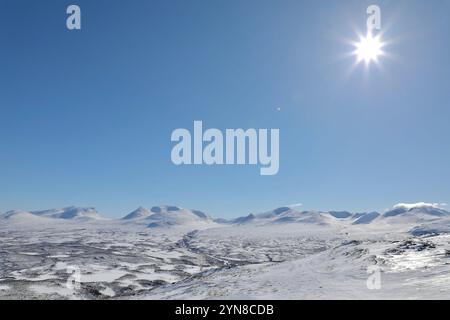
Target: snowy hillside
(139,213)
(69,213)
(407,215)
(166,216)
(169,216)
(16,216)
(415,212)
(287,215)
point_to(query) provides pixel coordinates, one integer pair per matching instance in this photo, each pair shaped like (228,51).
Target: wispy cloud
(294,205)
(419,205)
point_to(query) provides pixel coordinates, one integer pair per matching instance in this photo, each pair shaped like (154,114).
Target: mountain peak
(169,215)
(69,213)
(415,209)
(139,213)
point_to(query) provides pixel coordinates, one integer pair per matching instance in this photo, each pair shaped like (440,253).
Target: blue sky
(86,116)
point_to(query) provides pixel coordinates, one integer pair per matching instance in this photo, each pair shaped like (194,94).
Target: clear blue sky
(86,116)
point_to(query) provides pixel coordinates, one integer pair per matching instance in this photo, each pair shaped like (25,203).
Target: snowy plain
(174,253)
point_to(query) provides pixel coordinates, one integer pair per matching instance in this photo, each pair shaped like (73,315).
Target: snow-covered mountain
(323,218)
(69,213)
(416,212)
(158,216)
(165,216)
(139,213)
(288,215)
(365,218)
(419,217)
(340,214)
(169,216)
(408,214)
(21,216)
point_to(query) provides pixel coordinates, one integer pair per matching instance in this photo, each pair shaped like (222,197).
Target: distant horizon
(297,208)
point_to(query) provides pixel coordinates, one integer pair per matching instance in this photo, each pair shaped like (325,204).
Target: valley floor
(108,260)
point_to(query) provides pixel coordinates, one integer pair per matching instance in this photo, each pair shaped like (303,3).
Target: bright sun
(369,48)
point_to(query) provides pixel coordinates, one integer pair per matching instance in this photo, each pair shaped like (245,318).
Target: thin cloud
(294,205)
(409,206)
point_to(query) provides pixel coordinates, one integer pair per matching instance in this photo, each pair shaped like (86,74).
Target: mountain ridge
(171,215)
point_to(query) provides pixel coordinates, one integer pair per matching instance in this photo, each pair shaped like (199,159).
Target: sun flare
(369,48)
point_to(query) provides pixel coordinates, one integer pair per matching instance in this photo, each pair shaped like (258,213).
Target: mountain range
(418,214)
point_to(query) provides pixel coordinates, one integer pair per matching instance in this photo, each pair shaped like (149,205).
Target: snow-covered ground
(168,252)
